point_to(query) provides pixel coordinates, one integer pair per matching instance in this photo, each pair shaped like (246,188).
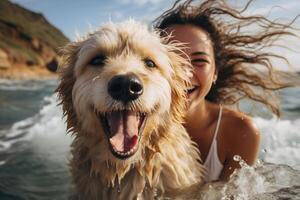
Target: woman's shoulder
(238,122)
(240,135)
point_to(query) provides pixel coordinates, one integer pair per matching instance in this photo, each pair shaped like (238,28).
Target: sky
(77,17)
(72,16)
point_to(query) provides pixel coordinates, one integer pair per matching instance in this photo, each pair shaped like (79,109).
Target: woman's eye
(98,60)
(200,61)
(149,63)
(199,64)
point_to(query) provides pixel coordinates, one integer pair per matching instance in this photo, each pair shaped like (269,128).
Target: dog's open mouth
(123,130)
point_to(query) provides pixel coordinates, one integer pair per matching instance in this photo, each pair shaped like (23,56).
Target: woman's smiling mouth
(192,89)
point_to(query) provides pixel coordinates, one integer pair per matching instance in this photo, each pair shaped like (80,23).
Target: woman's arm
(241,138)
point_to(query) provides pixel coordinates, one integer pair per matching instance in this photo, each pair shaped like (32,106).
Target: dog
(123,92)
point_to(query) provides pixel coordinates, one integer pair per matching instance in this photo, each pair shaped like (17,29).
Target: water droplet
(264,150)
(155,193)
(258,161)
(237,158)
(118,187)
(95,78)
(242,163)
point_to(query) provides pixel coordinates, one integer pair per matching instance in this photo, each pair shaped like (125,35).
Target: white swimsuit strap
(218,123)
(212,163)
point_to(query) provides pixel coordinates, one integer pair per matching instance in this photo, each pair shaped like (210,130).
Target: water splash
(262,181)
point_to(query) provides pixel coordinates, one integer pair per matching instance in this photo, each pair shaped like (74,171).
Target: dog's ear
(179,84)
(68,57)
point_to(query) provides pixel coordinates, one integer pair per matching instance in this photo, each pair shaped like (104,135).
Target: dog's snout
(125,87)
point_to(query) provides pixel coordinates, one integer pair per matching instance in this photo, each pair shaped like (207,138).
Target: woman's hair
(245,69)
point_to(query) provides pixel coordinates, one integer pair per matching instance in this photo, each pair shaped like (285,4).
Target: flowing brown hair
(245,69)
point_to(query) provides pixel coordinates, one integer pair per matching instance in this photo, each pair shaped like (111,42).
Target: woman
(226,60)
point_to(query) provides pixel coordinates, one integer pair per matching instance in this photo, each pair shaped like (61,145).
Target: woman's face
(200,52)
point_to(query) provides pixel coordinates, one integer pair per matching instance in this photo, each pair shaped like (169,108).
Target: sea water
(34,150)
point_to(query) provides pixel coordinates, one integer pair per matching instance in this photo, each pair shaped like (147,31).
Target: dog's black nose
(125,87)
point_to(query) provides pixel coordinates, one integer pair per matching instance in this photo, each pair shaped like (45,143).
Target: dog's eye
(149,63)
(98,60)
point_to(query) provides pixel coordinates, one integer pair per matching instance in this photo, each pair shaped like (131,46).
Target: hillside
(28,42)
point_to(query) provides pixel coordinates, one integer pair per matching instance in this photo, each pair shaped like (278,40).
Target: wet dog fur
(163,157)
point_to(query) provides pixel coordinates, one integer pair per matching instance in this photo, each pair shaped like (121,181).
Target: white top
(212,163)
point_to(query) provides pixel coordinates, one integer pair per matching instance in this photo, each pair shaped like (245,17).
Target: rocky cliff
(28,43)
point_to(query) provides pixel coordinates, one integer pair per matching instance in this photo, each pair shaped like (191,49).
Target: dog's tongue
(124,127)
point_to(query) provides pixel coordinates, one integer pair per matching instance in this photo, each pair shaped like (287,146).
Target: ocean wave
(48,144)
(293,109)
(27,85)
(280,140)
(47,124)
